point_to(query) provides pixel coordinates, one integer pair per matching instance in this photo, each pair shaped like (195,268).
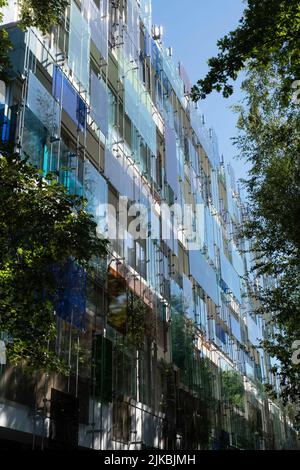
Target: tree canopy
(42,14)
(268,32)
(5,46)
(37,13)
(270,140)
(41,227)
(266,46)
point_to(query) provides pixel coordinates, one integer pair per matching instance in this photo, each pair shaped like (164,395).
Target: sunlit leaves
(268,31)
(270,140)
(41,225)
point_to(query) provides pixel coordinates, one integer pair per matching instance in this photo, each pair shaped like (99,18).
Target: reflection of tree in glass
(129,315)
(233,388)
(183,341)
(117,312)
(141,321)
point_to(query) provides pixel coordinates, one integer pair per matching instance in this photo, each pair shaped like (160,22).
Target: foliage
(268,32)
(233,388)
(41,14)
(129,315)
(183,341)
(266,45)
(141,321)
(5,46)
(41,225)
(270,140)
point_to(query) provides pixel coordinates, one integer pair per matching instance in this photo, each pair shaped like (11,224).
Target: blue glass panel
(206,136)
(140,262)
(235,328)
(8,123)
(132,36)
(185,78)
(214,189)
(43,105)
(79,46)
(172,242)
(41,127)
(156,57)
(72,103)
(69,174)
(171,159)
(81,113)
(200,313)
(4,124)
(254,331)
(138,107)
(172,73)
(17,54)
(113,171)
(188,297)
(237,262)
(215,149)
(152,274)
(118,174)
(180,160)
(58,84)
(210,332)
(230,199)
(169,229)
(98,22)
(99,103)
(147,43)
(177,305)
(96,192)
(230,277)
(249,366)
(154,225)
(193,157)
(220,333)
(200,223)
(70,300)
(104,28)
(146,13)
(34,139)
(204,274)
(209,233)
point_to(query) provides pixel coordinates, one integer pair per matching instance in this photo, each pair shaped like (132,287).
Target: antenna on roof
(157,33)
(170,51)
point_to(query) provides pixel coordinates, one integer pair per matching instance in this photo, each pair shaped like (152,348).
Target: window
(102,364)
(121,421)
(220,333)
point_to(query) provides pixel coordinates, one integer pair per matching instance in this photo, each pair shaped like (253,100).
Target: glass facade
(162,346)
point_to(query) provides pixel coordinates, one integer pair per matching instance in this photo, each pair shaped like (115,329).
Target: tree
(42,14)
(5,46)
(233,388)
(183,342)
(266,44)
(38,13)
(268,32)
(270,140)
(42,227)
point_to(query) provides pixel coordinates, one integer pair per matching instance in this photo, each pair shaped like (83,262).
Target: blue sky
(192,28)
